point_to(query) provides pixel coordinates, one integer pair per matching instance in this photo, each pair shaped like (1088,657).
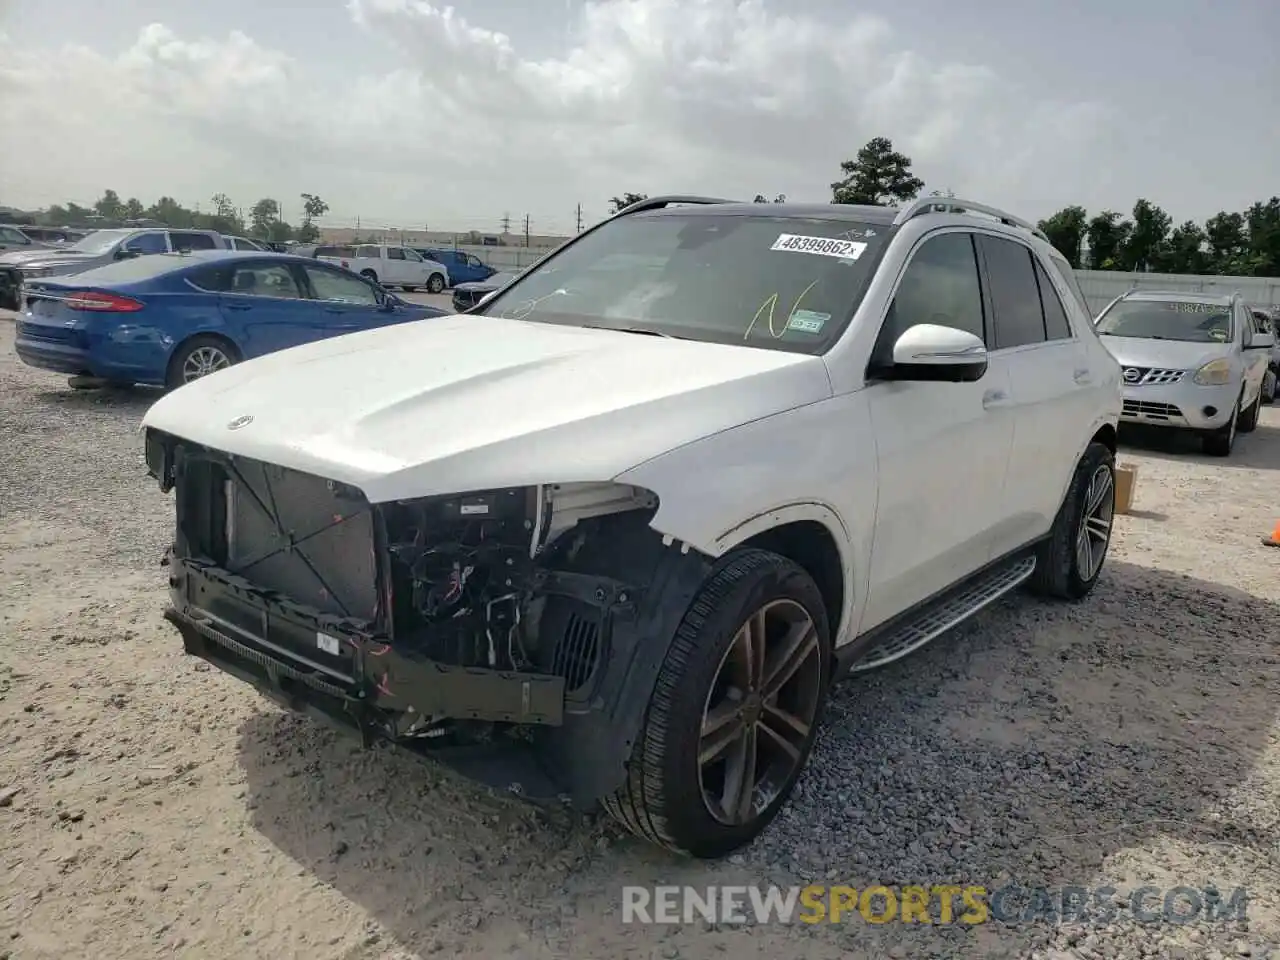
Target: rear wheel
(199,357)
(734,711)
(435,283)
(1269,387)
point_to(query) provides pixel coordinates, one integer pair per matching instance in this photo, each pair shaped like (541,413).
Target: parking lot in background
(153,807)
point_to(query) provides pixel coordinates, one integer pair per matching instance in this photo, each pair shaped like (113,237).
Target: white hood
(1167,354)
(469,403)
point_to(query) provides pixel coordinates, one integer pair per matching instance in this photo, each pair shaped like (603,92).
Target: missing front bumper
(299,656)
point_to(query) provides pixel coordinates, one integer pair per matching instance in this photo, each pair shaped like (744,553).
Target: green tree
(1228,243)
(761,198)
(109,206)
(1185,250)
(171,213)
(1107,233)
(1145,248)
(1066,231)
(263,216)
(312,209)
(627,199)
(879,176)
(1263,220)
(133,209)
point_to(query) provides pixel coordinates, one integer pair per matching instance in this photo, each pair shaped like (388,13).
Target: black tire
(663,799)
(1269,387)
(186,353)
(409,289)
(1058,572)
(1249,418)
(1220,442)
(370,275)
(435,283)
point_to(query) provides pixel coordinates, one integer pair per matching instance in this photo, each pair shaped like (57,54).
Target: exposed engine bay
(438,622)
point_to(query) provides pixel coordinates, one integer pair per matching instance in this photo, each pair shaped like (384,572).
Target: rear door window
(147,243)
(273,280)
(395,253)
(368,252)
(1015,295)
(192,241)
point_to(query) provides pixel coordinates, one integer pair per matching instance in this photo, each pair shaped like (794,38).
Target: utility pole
(526,229)
(579,218)
(506,223)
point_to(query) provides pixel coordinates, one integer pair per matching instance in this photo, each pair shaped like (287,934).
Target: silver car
(1191,361)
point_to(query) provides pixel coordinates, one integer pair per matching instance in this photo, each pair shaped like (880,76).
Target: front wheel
(1069,562)
(1220,442)
(1269,387)
(734,711)
(435,283)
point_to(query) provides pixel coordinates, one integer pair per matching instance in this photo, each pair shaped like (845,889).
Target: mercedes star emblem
(239,422)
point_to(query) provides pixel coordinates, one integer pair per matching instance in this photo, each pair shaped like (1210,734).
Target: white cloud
(708,96)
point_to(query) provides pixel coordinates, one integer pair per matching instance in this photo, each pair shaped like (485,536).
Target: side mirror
(928,351)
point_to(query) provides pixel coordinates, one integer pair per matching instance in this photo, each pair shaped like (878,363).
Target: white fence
(1100,287)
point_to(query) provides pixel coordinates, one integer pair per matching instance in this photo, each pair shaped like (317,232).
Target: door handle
(238,306)
(994,398)
(1083,376)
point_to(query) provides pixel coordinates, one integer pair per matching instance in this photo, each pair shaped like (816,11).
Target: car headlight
(1214,373)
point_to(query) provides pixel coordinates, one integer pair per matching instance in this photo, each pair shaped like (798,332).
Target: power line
(506,223)
(579,229)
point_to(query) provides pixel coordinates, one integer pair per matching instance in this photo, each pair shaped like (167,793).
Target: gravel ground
(152,807)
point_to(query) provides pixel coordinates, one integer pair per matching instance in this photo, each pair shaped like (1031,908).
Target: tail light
(102,303)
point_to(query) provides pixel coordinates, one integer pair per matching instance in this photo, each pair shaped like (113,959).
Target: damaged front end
(514,634)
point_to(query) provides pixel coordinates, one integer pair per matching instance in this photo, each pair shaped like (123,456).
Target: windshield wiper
(648,333)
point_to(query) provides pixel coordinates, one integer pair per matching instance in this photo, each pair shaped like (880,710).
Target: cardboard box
(1126,480)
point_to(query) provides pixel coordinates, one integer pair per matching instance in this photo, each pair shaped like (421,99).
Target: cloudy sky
(404,113)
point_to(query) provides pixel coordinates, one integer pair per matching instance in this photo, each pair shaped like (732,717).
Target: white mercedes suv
(610,536)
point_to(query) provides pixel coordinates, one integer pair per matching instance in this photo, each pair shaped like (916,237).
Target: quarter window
(1015,296)
(334,285)
(1056,325)
(940,286)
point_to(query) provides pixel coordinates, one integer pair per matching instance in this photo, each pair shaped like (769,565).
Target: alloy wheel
(759,712)
(1095,524)
(203,361)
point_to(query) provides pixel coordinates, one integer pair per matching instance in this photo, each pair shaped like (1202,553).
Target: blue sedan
(168,319)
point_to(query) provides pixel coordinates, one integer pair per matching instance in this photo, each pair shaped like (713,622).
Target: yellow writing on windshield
(767,308)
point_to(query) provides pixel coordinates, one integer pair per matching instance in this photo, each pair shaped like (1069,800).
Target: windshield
(781,283)
(100,241)
(1167,320)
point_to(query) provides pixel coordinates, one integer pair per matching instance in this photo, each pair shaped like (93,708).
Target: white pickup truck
(390,266)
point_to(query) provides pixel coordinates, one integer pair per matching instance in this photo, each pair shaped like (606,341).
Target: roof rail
(657,203)
(922,205)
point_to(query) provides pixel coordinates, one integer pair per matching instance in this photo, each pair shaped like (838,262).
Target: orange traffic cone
(1274,539)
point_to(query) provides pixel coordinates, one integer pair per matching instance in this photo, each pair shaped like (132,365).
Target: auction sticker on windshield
(822,246)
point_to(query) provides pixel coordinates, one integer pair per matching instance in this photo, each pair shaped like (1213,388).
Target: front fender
(716,493)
